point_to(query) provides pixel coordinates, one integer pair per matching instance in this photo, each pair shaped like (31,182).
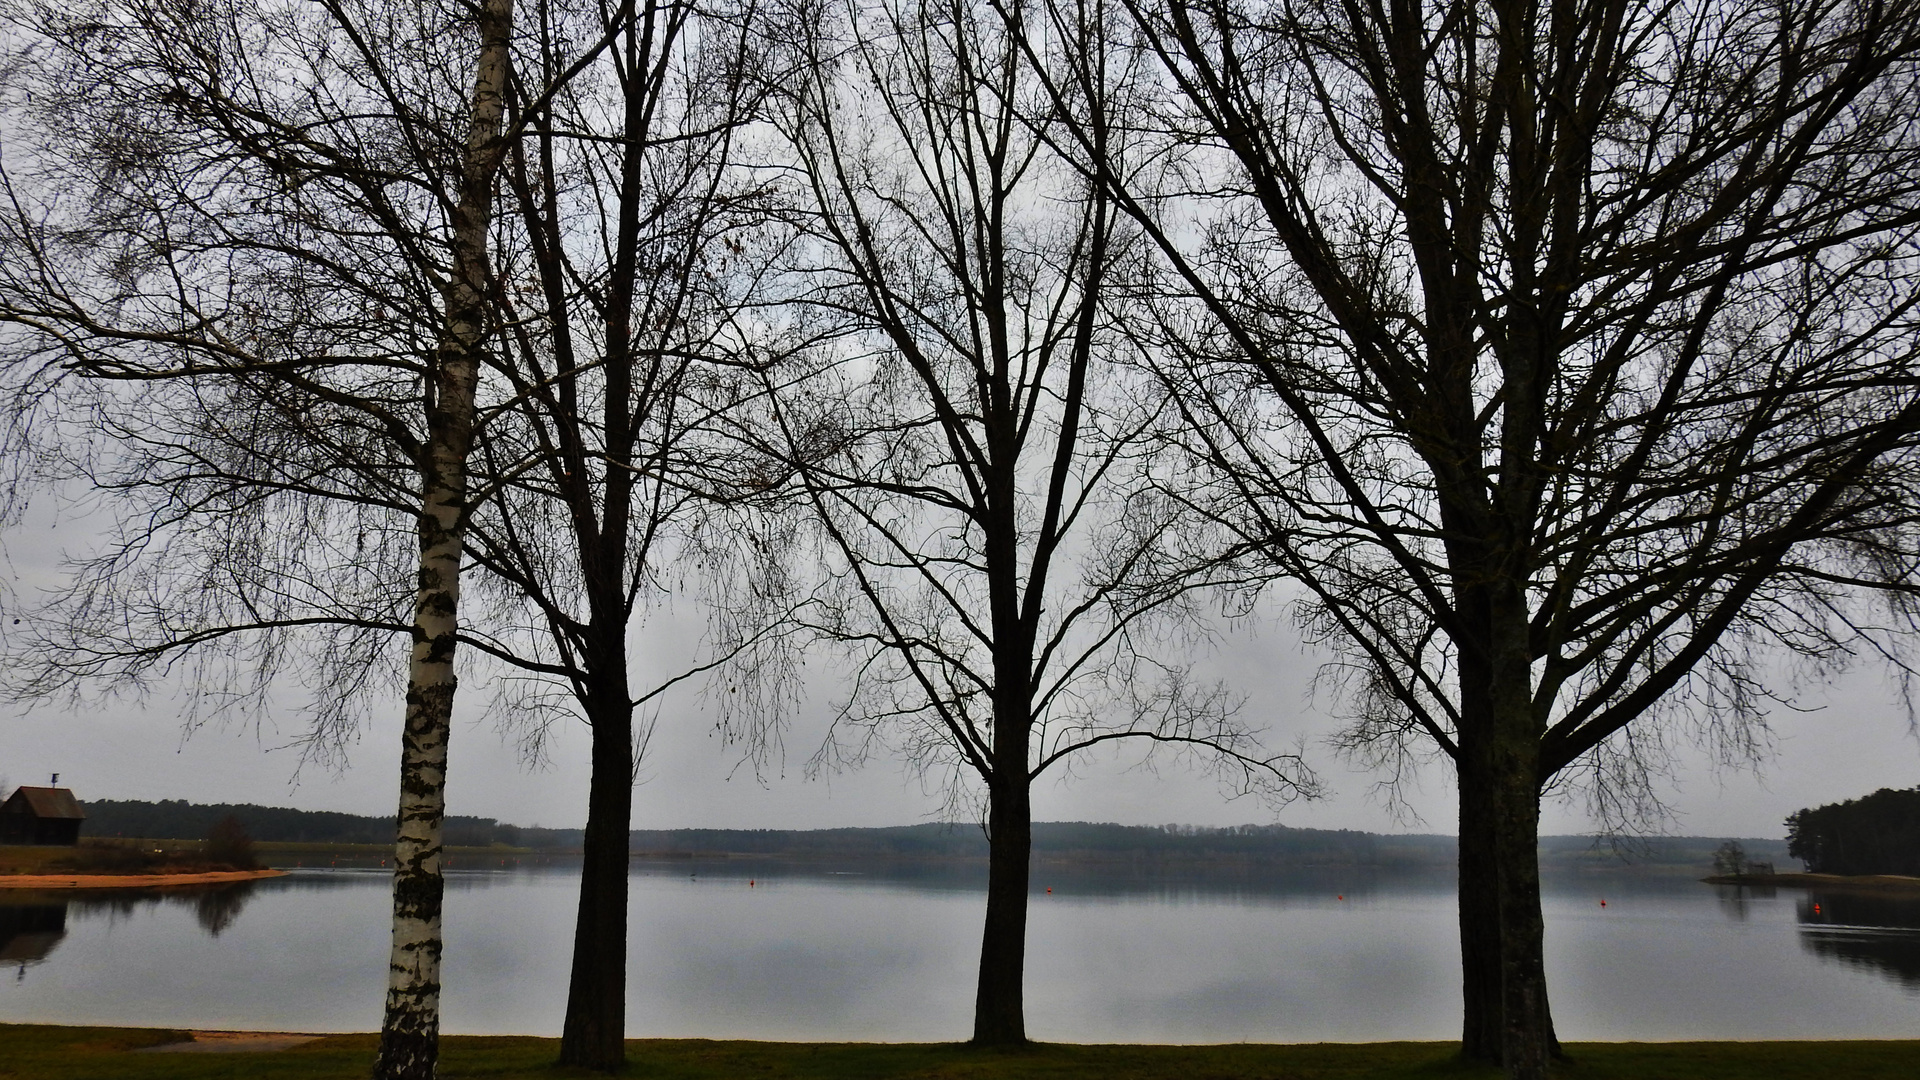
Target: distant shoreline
(132,881)
(1873,882)
(284,832)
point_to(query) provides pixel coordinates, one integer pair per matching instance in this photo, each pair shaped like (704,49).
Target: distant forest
(1069,839)
(181,820)
(1251,845)
(1874,834)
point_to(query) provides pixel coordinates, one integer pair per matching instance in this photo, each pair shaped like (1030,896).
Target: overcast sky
(1854,739)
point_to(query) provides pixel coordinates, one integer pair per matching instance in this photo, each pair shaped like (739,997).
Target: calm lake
(808,954)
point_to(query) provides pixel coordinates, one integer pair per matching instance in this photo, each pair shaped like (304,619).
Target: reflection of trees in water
(216,909)
(1886,910)
(1877,932)
(1736,899)
(30,925)
(114,905)
(29,931)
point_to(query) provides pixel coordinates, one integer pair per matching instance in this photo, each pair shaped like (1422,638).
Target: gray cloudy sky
(1854,740)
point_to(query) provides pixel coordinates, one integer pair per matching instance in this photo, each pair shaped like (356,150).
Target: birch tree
(618,254)
(279,217)
(410,1032)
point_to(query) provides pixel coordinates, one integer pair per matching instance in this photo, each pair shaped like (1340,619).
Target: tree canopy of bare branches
(973,442)
(628,242)
(1563,354)
(282,341)
(271,224)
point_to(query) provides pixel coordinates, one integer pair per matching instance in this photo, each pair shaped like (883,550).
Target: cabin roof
(45,802)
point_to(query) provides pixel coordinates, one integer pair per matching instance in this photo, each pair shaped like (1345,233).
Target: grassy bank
(76,1053)
(114,856)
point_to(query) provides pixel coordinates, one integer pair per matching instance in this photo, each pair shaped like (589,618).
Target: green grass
(35,1052)
(112,855)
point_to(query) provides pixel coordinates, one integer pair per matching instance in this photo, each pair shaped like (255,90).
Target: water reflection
(29,931)
(32,924)
(1874,932)
(1139,881)
(1737,901)
(744,948)
(216,909)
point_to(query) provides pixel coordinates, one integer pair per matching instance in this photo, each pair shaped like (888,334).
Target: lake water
(801,954)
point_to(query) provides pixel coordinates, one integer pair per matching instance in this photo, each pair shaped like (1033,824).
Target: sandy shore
(130,881)
(1878,882)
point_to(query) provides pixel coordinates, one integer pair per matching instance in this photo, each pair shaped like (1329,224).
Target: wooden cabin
(41,815)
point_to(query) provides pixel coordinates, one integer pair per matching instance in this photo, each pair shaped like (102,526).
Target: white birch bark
(409,1035)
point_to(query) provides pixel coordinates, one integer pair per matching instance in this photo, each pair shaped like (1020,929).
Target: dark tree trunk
(999,1010)
(1479,910)
(1527,1040)
(1506,1020)
(1526,1028)
(594,1035)
(1479,866)
(1502,932)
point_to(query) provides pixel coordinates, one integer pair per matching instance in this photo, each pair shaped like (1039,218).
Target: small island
(1871,843)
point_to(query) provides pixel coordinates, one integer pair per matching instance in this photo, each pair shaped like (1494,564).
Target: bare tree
(628,250)
(618,257)
(974,450)
(219,207)
(1563,354)
(409,1034)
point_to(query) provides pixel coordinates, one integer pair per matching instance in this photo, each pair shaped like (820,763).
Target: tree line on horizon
(1554,366)
(1268,846)
(181,819)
